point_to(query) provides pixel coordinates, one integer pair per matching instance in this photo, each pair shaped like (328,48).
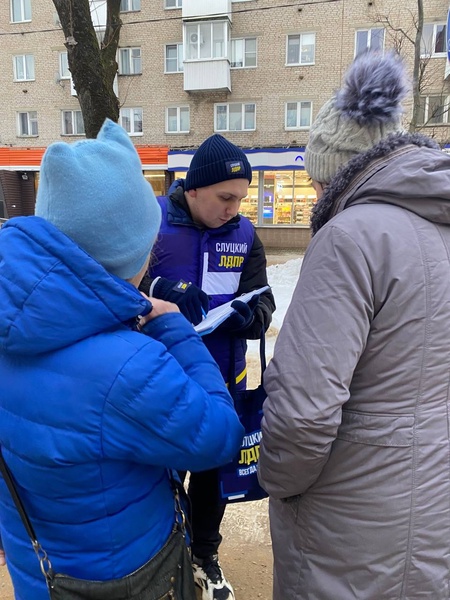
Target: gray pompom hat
(366,110)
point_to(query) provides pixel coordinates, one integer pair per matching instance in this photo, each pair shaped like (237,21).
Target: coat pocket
(376,429)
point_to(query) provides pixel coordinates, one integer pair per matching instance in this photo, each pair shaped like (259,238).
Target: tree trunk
(416,69)
(93,66)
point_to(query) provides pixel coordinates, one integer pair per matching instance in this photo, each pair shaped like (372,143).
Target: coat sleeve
(169,405)
(308,380)
(254,276)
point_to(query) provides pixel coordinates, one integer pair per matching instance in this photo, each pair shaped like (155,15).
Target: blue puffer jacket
(92,412)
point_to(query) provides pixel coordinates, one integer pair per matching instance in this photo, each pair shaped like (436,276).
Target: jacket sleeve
(254,276)
(169,405)
(318,347)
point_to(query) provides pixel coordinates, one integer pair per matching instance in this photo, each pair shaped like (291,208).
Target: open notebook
(217,315)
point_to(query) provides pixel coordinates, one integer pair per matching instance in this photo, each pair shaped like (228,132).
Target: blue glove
(243,315)
(190,299)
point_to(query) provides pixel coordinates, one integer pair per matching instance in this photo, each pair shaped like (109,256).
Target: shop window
(131,120)
(64,72)
(298,115)
(235,117)
(205,41)
(24,67)
(434,110)
(157,180)
(300,49)
(130,5)
(434,40)
(130,62)
(174,58)
(243,53)
(72,122)
(27,125)
(177,119)
(249,205)
(173,3)
(369,39)
(20,11)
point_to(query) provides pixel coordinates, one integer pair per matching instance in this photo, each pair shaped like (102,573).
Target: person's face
(215,205)
(318,188)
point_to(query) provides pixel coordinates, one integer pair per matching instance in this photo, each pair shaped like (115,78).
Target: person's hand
(2,558)
(243,315)
(159,307)
(190,299)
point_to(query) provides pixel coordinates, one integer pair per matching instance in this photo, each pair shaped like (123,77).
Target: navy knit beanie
(217,160)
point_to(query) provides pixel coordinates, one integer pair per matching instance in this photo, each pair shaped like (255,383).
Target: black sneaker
(208,575)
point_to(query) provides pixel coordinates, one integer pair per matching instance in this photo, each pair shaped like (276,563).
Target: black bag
(166,576)
(238,480)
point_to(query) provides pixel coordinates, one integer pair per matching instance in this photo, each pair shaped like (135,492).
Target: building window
(174,58)
(20,10)
(131,120)
(24,67)
(298,115)
(177,119)
(235,117)
(130,62)
(243,53)
(72,122)
(434,40)
(369,39)
(434,110)
(130,5)
(174,3)
(206,40)
(27,123)
(301,49)
(64,72)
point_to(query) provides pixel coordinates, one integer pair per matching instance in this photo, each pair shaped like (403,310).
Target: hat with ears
(366,110)
(94,192)
(216,160)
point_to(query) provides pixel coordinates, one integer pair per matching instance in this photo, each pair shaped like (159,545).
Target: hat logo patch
(235,168)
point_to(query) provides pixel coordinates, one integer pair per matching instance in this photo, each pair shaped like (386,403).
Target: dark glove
(243,315)
(190,299)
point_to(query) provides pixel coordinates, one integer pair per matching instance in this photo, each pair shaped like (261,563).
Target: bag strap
(232,368)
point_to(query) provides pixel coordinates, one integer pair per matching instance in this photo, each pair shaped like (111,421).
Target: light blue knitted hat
(94,191)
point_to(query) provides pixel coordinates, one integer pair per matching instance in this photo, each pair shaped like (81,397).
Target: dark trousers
(206,512)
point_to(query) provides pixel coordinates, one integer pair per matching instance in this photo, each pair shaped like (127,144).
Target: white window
(177,119)
(174,58)
(131,120)
(24,67)
(20,10)
(298,115)
(369,39)
(130,62)
(206,40)
(434,110)
(130,5)
(64,72)
(174,3)
(27,123)
(301,49)
(235,117)
(434,40)
(243,53)
(72,122)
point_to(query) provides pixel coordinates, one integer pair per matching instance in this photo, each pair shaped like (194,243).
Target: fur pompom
(373,89)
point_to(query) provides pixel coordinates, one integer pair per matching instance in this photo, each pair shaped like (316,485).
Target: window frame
(179,46)
(300,36)
(187,45)
(132,110)
(245,53)
(434,54)
(178,109)
(228,104)
(128,9)
(369,38)
(30,121)
(74,122)
(178,5)
(24,68)
(298,112)
(60,65)
(446,109)
(129,49)
(23,5)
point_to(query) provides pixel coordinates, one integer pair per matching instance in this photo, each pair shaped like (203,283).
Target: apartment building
(256,71)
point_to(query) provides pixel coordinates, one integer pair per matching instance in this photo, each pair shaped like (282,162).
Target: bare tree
(92,63)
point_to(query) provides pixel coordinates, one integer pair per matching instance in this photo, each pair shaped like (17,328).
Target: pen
(203,313)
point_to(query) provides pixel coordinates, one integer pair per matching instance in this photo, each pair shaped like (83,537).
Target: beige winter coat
(356,445)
